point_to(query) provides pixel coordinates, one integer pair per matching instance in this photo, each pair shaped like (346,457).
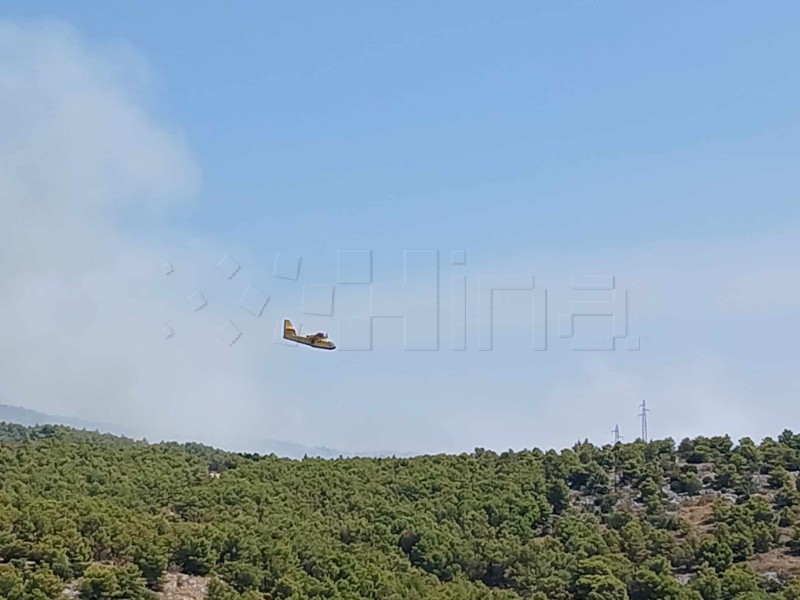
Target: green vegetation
(109,517)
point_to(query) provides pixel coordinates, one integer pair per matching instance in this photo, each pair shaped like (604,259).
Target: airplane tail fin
(288,328)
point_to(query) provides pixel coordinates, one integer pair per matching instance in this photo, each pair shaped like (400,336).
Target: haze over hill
(28,417)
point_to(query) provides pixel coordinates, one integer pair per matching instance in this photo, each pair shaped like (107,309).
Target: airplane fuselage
(318,340)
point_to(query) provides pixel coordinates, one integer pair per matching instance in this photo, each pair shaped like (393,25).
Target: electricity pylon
(617,436)
(643,416)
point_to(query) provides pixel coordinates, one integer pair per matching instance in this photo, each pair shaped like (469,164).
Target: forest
(99,517)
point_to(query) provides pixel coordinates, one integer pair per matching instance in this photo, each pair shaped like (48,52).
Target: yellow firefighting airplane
(316,340)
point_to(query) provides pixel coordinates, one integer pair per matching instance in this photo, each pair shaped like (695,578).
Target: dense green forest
(93,516)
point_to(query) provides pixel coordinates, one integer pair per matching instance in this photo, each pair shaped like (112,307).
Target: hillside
(96,516)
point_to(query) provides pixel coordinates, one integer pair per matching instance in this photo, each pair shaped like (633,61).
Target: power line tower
(615,453)
(617,436)
(643,416)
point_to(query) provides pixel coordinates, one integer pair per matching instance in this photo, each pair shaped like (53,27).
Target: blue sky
(654,143)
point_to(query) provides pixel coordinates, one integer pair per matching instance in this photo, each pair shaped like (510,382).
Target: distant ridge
(28,417)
